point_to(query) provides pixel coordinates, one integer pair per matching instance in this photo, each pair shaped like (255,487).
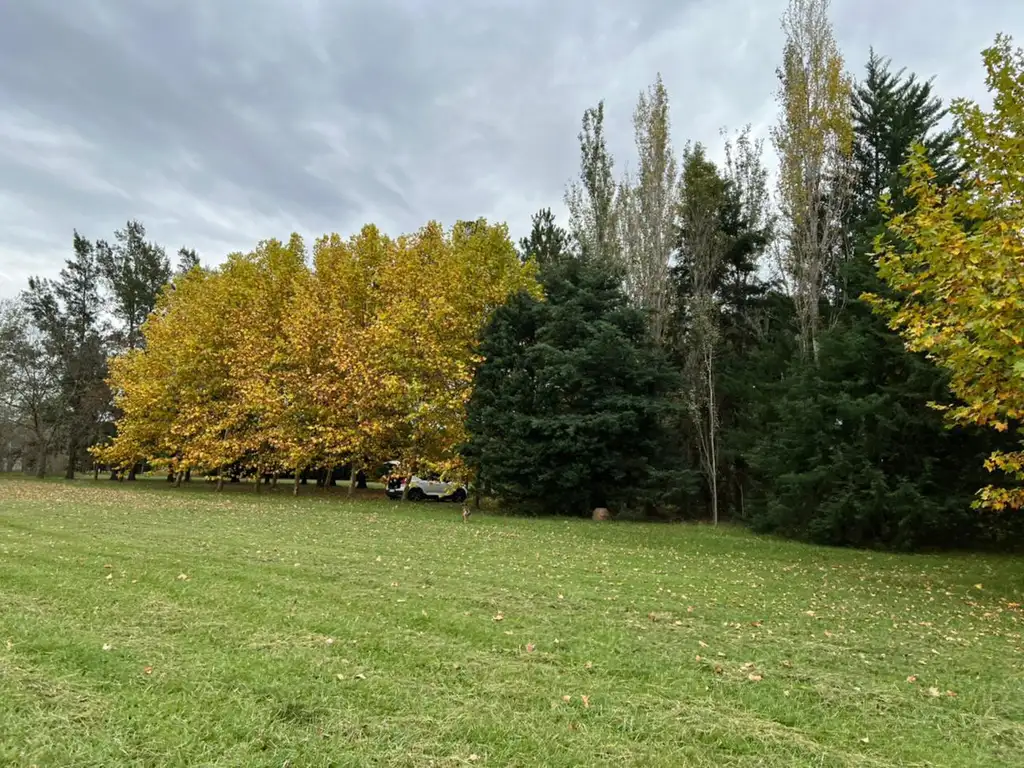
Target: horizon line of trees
(835,359)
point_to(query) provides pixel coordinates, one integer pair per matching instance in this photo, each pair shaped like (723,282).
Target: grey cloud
(221,123)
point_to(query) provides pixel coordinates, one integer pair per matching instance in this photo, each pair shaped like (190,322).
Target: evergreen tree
(67,314)
(569,409)
(850,451)
(135,271)
(547,241)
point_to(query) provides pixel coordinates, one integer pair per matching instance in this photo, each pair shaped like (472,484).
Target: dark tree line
(575,408)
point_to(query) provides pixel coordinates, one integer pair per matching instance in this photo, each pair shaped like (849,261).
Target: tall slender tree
(814,143)
(646,210)
(591,198)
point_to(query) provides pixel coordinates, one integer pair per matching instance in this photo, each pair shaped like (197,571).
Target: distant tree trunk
(95,470)
(298,479)
(132,471)
(41,463)
(188,475)
(361,480)
(351,481)
(69,472)
(259,480)
(178,477)
(171,476)
(220,480)
(273,480)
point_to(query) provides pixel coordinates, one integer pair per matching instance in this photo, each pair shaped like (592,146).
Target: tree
(646,213)
(31,403)
(703,243)
(813,140)
(591,199)
(547,242)
(188,260)
(570,407)
(954,259)
(67,312)
(135,271)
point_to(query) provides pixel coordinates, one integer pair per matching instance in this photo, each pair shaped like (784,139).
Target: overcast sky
(222,122)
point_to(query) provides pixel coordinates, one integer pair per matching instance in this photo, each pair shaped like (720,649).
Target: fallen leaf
(827,633)
(360,676)
(978,586)
(567,699)
(588,665)
(148,670)
(652,616)
(108,647)
(474,758)
(530,647)
(911,678)
(10,645)
(340,676)
(785,693)
(755,623)
(809,613)
(689,609)
(865,740)
(329,641)
(754,677)
(702,644)
(499,617)
(698,657)
(718,669)
(951,694)
(561,596)
(934,692)
(677,623)
(747,666)
(787,663)
(108,565)
(182,577)
(586,701)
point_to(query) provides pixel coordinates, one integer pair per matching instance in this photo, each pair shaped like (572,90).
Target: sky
(219,123)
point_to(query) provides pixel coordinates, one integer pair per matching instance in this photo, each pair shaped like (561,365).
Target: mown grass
(152,626)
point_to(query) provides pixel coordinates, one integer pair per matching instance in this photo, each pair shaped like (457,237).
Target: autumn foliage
(957,262)
(280,360)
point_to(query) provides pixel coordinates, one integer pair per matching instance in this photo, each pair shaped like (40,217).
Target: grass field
(153,626)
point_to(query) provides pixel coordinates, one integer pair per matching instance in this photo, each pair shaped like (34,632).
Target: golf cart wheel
(416,494)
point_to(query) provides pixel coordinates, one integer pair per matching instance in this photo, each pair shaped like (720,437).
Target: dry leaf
(329,641)
(865,740)
(698,657)
(787,663)
(10,645)
(809,613)
(567,699)
(978,586)
(108,647)
(934,691)
(951,693)
(360,676)
(747,666)
(689,609)
(702,644)
(911,678)
(652,616)
(148,670)
(182,577)
(530,647)
(340,676)
(586,701)
(718,669)
(108,565)
(754,677)
(755,623)
(499,617)
(588,665)
(110,575)
(474,758)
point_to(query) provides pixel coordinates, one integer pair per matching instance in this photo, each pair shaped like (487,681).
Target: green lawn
(146,625)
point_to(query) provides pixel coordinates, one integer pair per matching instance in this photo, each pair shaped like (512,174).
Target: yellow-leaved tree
(956,262)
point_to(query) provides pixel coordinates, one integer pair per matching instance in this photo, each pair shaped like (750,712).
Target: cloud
(221,123)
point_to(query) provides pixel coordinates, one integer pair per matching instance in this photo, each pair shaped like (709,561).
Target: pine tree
(569,408)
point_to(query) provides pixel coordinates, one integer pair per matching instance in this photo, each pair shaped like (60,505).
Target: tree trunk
(220,481)
(352,481)
(41,463)
(712,442)
(178,477)
(273,481)
(361,479)
(298,479)
(259,481)
(188,475)
(69,472)
(95,470)
(131,472)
